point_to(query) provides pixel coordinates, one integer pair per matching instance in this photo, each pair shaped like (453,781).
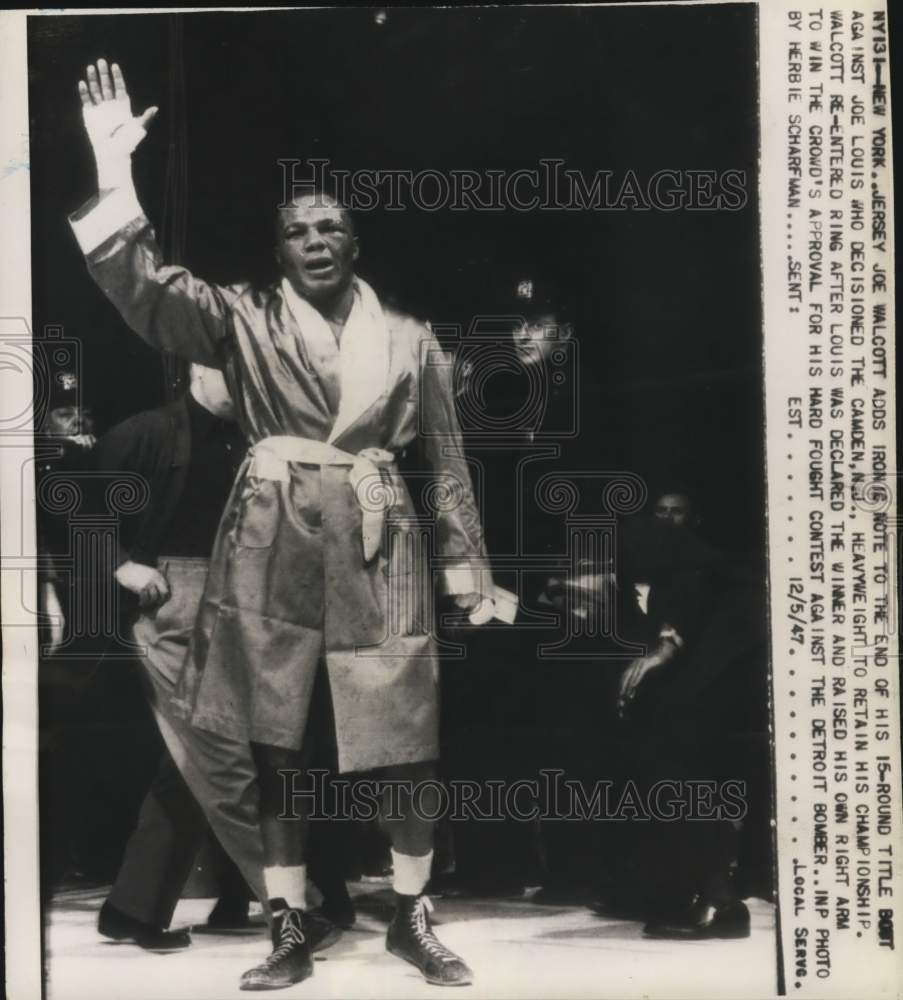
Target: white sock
(411,873)
(287,882)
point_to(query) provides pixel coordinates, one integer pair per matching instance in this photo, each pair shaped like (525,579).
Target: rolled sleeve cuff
(103,216)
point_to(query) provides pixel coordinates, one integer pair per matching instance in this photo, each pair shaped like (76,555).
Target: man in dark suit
(186,452)
(702,617)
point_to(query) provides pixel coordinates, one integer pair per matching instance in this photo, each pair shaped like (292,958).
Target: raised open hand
(112,129)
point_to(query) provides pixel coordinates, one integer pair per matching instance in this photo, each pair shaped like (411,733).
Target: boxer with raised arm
(317,570)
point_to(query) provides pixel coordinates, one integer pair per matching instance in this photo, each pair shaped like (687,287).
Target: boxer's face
(316,247)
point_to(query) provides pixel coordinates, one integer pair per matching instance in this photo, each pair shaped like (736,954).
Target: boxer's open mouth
(319,265)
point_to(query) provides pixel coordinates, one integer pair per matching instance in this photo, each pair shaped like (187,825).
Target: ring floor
(516,949)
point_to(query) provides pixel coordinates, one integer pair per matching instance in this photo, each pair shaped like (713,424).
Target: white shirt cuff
(103,216)
(462,579)
(673,635)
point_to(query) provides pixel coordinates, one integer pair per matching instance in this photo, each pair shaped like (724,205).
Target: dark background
(666,305)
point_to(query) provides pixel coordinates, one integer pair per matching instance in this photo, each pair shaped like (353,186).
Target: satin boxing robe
(290,582)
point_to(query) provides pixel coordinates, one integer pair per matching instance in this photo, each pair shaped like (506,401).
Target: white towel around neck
(363,349)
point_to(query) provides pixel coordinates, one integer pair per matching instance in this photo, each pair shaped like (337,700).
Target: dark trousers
(682,728)
(160,854)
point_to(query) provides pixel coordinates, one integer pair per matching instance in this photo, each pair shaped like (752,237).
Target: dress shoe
(701,921)
(119,926)
(290,961)
(411,937)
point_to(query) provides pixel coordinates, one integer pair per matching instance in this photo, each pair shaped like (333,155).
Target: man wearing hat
(505,705)
(63,448)
(67,430)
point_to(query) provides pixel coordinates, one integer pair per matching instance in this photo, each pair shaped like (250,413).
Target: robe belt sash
(374,493)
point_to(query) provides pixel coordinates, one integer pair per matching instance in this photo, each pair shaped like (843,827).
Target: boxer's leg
(285,832)
(411,830)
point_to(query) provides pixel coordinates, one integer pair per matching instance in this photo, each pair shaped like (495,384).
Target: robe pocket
(259,514)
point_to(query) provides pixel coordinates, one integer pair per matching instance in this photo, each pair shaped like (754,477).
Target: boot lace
(291,933)
(420,924)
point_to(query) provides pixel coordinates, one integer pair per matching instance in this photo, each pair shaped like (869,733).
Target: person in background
(509,712)
(65,440)
(186,451)
(63,446)
(702,617)
(674,504)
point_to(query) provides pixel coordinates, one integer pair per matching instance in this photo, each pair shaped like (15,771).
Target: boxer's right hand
(147,582)
(112,129)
